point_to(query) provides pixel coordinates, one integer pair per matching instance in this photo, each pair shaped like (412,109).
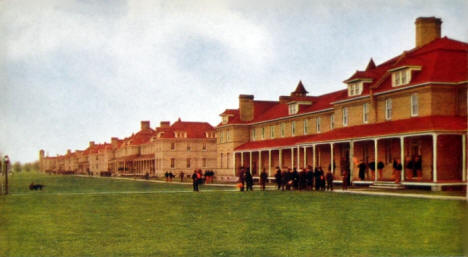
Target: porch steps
(386,185)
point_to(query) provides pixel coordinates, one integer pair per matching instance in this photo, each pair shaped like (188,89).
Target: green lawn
(79,216)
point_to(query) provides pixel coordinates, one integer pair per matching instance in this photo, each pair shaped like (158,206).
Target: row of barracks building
(411,108)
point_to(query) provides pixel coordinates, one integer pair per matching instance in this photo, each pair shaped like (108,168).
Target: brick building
(413,106)
(182,146)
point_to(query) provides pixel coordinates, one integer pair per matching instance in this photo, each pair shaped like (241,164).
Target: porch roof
(387,128)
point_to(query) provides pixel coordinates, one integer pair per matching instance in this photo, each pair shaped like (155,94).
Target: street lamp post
(6,161)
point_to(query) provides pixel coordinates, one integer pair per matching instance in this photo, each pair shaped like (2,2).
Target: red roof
(193,129)
(442,60)
(412,125)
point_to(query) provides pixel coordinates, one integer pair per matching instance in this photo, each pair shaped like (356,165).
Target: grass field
(79,216)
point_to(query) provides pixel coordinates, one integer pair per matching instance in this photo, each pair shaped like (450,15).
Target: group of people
(305,179)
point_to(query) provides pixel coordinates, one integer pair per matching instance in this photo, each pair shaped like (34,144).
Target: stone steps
(386,185)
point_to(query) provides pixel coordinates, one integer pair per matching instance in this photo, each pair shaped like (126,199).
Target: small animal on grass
(33,186)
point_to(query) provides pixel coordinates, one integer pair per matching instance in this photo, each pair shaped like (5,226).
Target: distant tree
(35,166)
(27,167)
(17,166)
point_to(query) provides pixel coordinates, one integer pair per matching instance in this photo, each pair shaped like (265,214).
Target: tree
(17,166)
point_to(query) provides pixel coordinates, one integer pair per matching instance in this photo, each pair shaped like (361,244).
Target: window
(293,108)
(355,88)
(293,128)
(345,116)
(188,162)
(172,146)
(227,160)
(306,126)
(225,119)
(282,129)
(272,132)
(414,104)
(228,136)
(204,147)
(365,113)
(221,161)
(318,124)
(188,147)
(204,162)
(332,121)
(263,132)
(388,109)
(172,163)
(402,76)
(253,134)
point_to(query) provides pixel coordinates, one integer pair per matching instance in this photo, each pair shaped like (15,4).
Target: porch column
(269,163)
(298,156)
(434,157)
(292,157)
(376,160)
(259,162)
(305,156)
(313,157)
(280,157)
(464,157)
(234,164)
(250,162)
(332,157)
(402,158)
(242,159)
(351,160)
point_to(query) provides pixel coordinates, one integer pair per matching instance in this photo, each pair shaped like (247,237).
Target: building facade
(411,108)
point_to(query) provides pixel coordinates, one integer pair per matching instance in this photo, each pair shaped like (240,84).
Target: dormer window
(293,108)
(355,88)
(402,75)
(225,119)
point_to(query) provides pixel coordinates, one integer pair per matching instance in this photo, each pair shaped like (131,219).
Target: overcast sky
(78,71)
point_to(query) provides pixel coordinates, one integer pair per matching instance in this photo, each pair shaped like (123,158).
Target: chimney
(283,99)
(246,107)
(145,124)
(114,142)
(427,30)
(164,124)
(91,143)
(68,151)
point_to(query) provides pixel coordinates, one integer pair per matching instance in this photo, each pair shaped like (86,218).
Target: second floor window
(365,113)
(263,132)
(253,134)
(293,128)
(318,124)
(272,132)
(332,121)
(172,146)
(388,109)
(204,146)
(306,126)
(188,162)
(414,104)
(345,116)
(282,129)
(172,163)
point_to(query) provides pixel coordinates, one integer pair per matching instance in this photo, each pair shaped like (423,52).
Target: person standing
(372,168)
(263,179)
(329,181)
(397,168)
(345,179)
(278,177)
(380,166)
(195,181)
(418,167)
(318,181)
(249,181)
(181,175)
(295,179)
(362,170)
(310,178)
(284,179)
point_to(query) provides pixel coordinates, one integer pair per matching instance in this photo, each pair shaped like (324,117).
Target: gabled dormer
(402,75)
(297,98)
(359,78)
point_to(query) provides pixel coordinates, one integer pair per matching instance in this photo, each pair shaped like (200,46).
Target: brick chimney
(91,144)
(164,124)
(427,30)
(68,151)
(145,124)
(114,142)
(246,107)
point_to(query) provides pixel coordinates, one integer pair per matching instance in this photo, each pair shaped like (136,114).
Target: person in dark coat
(322,179)
(284,179)
(181,175)
(242,179)
(248,180)
(302,180)
(380,166)
(263,179)
(372,168)
(418,167)
(167,176)
(409,167)
(195,181)
(362,170)
(278,177)
(310,178)
(397,168)
(318,182)
(345,179)
(295,179)
(329,178)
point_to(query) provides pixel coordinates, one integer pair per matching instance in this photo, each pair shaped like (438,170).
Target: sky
(78,71)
